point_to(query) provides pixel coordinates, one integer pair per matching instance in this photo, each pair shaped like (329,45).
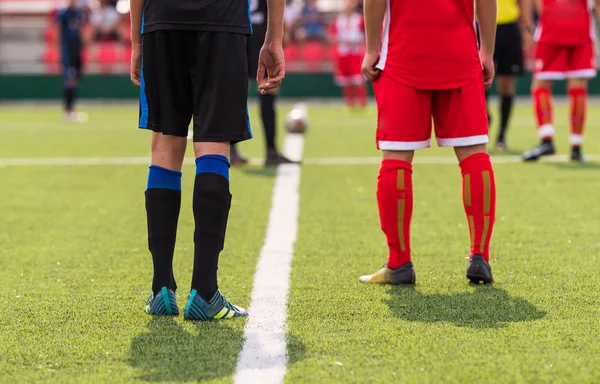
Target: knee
(168,151)
(206,148)
(541,84)
(464,152)
(577,83)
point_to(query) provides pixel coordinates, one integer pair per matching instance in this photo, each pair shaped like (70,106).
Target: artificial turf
(75,271)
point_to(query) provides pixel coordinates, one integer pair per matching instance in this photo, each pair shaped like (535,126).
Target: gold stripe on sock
(467,189)
(486,225)
(580,106)
(401,204)
(400,182)
(487,192)
(472,231)
(544,102)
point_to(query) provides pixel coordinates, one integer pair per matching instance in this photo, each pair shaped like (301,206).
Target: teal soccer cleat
(217,308)
(163,304)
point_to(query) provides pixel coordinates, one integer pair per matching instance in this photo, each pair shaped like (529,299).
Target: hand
(528,43)
(136,63)
(488,69)
(271,63)
(369,71)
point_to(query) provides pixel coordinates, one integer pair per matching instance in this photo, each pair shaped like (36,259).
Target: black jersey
(197,15)
(258,15)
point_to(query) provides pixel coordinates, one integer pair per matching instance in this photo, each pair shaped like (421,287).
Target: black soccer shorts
(199,75)
(508,55)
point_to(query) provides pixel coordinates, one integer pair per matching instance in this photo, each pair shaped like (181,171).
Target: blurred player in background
(268,115)
(508,57)
(348,33)
(430,67)
(565,50)
(195,66)
(71,22)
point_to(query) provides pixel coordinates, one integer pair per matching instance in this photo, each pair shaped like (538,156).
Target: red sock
(578,106)
(479,198)
(395,201)
(542,102)
(361,91)
(348,95)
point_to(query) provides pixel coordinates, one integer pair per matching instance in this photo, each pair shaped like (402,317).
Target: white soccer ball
(297,120)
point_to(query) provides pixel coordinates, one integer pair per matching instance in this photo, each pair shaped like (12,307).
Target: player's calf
(578,97)
(542,101)
(395,202)
(479,200)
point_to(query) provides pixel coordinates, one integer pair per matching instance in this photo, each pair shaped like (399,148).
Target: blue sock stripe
(213,164)
(159,177)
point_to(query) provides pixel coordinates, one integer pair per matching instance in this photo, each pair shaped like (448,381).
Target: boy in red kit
(429,67)
(565,50)
(348,32)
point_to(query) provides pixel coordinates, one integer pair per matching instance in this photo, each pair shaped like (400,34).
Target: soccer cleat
(404,275)
(545,148)
(479,270)
(217,308)
(76,117)
(576,154)
(274,158)
(501,145)
(162,304)
(236,159)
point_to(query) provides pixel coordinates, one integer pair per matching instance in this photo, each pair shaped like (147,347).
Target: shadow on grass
(260,171)
(486,307)
(168,352)
(574,166)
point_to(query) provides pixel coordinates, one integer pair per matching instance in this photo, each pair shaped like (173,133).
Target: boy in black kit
(189,59)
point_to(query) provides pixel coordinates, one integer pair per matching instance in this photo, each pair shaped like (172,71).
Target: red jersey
(565,22)
(349,33)
(430,44)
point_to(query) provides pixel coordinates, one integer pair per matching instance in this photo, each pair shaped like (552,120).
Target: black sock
(212,201)
(69,97)
(506,103)
(268,116)
(163,202)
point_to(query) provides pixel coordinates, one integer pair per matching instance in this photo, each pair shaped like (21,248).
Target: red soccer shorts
(553,62)
(405,115)
(348,70)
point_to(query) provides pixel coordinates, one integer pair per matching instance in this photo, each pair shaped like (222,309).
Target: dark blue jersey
(70,22)
(231,16)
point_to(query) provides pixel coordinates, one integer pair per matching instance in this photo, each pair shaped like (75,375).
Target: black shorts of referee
(508,55)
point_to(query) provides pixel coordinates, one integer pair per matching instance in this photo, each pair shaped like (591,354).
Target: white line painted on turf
(264,355)
(75,161)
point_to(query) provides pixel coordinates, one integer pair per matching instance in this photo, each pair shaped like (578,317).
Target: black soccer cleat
(576,155)
(274,159)
(479,271)
(546,148)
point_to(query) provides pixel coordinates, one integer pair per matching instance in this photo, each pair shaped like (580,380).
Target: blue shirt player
(71,21)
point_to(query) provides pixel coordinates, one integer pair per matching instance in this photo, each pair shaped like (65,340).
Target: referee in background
(268,116)
(510,39)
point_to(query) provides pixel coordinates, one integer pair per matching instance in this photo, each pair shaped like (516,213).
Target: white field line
(264,355)
(74,161)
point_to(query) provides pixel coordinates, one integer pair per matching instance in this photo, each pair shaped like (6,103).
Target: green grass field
(75,272)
